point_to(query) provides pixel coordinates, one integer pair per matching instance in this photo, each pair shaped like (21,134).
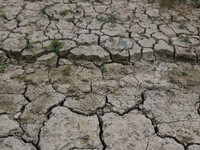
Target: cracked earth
(114,74)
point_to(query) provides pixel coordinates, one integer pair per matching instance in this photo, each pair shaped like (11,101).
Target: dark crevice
(49,79)
(153,121)
(78,112)
(141,54)
(52,85)
(123,61)
(101,132)
(24,94)
(91,87)
(130,109)
(99,40)
(56,105)
(129,35)
(174,54)
(197,58)
(49,111)
(6,136)
(129,56)
(38,136)
(89,31)
(29,142)
(57,62)
(61,103)
(23,108)
(143,97)
(154,50)
(198,110)
(4,113)
(136,107)
(147,145)
(7,54)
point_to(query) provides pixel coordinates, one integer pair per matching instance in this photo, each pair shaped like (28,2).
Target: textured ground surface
(89,75)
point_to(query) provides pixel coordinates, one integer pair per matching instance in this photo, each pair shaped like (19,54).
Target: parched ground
(112,74)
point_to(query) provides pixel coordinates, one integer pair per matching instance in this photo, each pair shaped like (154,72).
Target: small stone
(16,116)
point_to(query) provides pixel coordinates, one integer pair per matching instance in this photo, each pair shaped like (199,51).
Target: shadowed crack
(101,132)
(61,103)
(153,121)
(48,117)
(24,94)
(198,110)
(78,112)
(30,142)
(130,109)
(147,145)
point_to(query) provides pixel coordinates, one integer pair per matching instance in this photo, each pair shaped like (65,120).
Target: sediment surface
(114,74)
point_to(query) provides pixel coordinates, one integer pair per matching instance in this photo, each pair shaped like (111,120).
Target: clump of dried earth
(113,74)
